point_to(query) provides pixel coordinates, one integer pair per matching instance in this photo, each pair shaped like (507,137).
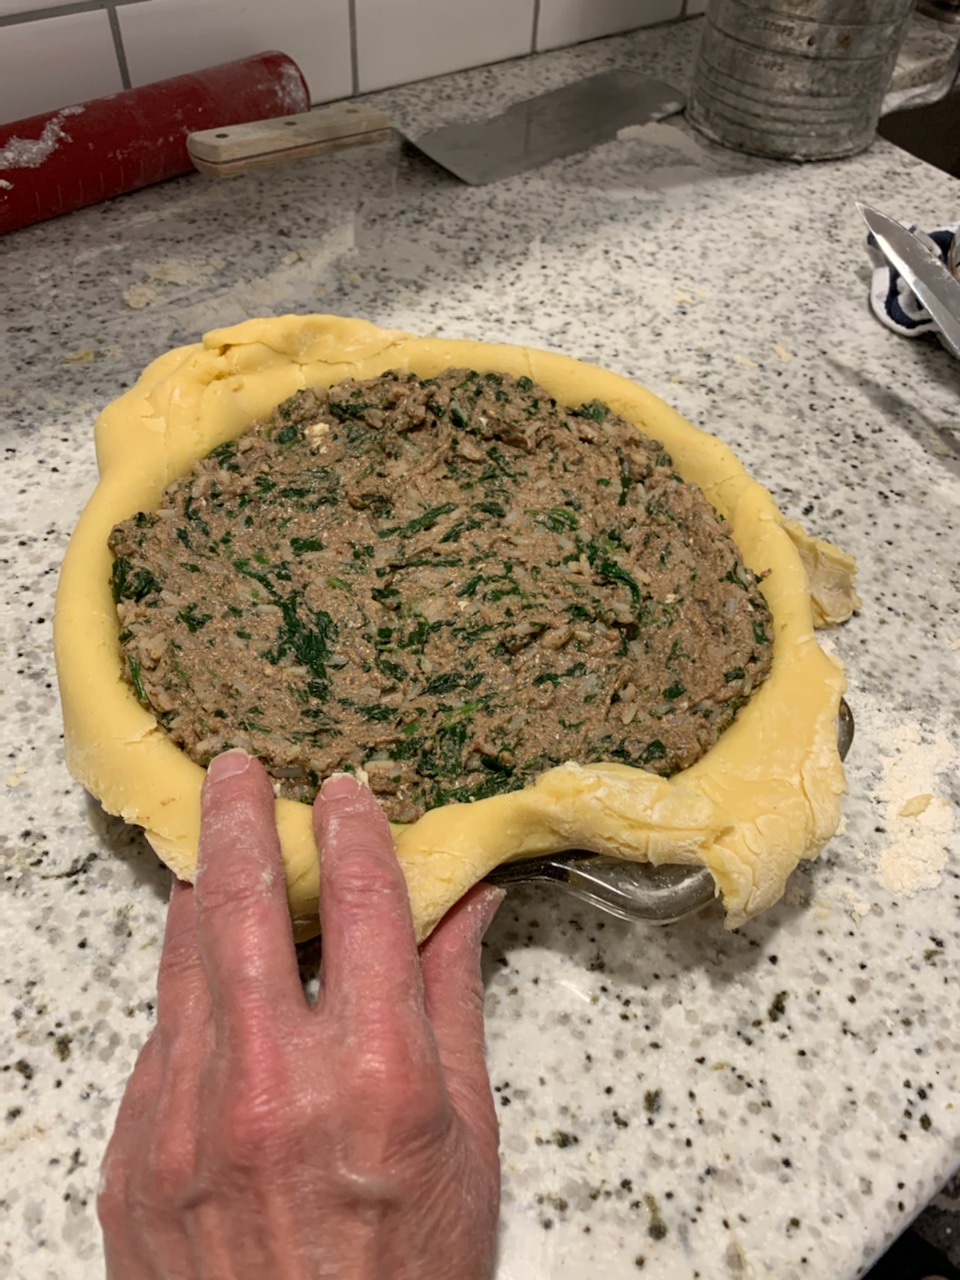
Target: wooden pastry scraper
(550,126)
(224,153)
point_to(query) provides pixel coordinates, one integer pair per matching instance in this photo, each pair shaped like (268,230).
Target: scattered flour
(139,296)
(283,287)
(658,134)
(184,270)
(917,814)
(846,898)
(30,153)
(174,271)
(293,96)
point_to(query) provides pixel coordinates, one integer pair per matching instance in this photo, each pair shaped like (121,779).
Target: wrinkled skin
(260,1137)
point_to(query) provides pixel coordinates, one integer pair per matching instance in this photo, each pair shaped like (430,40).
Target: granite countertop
(680,1103)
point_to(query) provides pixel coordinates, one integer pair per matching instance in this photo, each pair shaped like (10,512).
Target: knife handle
(239,148)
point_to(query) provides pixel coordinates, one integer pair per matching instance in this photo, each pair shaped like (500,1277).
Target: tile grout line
(535,28)
(60,11)
(354,50)
(118,45)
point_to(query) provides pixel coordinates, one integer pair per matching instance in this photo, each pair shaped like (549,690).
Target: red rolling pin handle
(52,163)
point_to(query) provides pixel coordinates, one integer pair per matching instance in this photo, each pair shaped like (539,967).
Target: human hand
(260,1137)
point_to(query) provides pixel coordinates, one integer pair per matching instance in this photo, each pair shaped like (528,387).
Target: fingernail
(488,906)
(339,786)
(228,765)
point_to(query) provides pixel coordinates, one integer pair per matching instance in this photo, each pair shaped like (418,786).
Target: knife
(923,271)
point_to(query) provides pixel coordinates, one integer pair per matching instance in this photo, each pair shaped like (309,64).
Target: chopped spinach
(133,665)
(595,411)
(128,583)
(193,620)
(300,546)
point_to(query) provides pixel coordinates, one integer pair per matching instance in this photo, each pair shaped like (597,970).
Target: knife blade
(926,275)
(551,126)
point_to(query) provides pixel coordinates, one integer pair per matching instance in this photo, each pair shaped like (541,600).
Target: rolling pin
(63,160)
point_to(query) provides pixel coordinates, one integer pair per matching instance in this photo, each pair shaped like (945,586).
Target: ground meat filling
(453,583)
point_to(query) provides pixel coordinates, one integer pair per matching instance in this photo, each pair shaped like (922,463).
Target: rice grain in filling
(453,583)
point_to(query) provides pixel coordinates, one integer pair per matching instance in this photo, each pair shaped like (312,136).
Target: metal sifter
(796,79)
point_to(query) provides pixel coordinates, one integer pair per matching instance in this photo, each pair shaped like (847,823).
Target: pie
(461,574)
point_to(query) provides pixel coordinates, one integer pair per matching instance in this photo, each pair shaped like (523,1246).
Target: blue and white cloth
(893,301)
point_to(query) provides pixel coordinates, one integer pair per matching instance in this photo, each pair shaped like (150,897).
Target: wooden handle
(226,152)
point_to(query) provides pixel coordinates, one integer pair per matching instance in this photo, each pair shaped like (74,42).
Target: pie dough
(767,795)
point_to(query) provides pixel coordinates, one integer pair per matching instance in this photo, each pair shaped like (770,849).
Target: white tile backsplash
(564,22)
(170,37)
(55,62)
(413,40)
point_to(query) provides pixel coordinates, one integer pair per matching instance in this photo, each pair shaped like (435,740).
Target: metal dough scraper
(548,127)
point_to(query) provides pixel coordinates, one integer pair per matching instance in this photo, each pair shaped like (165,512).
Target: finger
(121,1242)
(243,922)
(140,1092)
(453,996)
(125,1254)
(151,1153)
(370,966)
(151,1159)
(183,997)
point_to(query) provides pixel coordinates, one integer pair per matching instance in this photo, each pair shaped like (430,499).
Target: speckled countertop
(681,1103)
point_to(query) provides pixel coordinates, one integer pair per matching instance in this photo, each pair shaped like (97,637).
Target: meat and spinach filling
(453,583)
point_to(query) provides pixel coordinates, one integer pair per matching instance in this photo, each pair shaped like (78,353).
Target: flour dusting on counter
(919,811)
(290,286)
(175,272)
